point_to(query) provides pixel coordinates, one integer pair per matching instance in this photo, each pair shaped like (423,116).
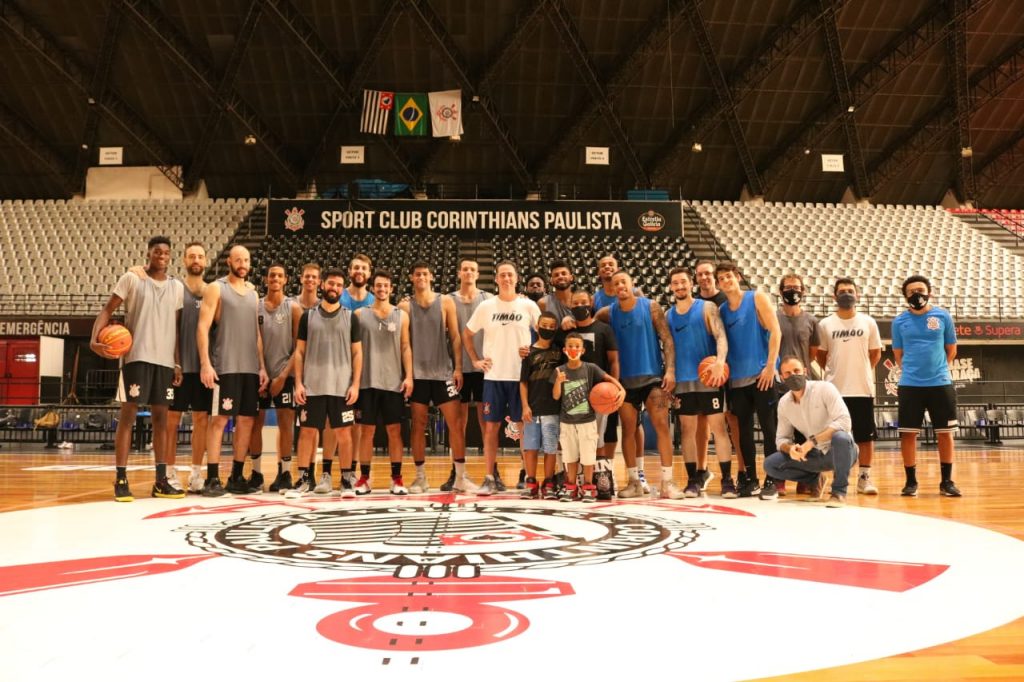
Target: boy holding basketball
(573,382)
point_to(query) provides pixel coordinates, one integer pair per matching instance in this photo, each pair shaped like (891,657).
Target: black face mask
(534,295)
(546,334)
(917,300)
(795,382)
(846,301)
(792,297)
(580,312)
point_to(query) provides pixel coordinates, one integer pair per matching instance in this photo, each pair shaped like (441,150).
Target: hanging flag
(411,113)
(377,104)
(446,112)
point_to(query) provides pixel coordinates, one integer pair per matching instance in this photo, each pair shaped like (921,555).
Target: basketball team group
(566,372)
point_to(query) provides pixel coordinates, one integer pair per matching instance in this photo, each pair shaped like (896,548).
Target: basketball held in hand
(704,372)
(604,398)
(116,338)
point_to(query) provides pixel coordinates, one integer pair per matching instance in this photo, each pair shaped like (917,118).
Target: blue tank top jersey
(748,340)
(692,341)
(602,299)
(639,351)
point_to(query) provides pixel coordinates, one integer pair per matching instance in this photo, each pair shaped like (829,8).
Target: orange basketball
(117,339)
(603,397)
(704,371)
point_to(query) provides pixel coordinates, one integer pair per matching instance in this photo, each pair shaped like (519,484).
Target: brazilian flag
(412,113)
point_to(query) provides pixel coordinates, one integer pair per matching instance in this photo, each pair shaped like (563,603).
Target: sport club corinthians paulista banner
(327,216)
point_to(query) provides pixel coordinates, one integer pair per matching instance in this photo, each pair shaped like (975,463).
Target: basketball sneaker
(447,486)
(865,486)
(464,485)
(419,484)
(162,488)
(749,488)
(282,483)
(213,488)
(397,487)
(346,488)
(122,493)
(324,486)
(499,485)
(530,491)
(363,486)
(706,477)
(237,485)
(948,489)
(521,483)
(255,483)
(909,490)
(769,491)
(632,489)
(567,494)
(195,483)
(487,487)
(588,493)
(693,489)
(643,483)
(670,491)
(550,491)
(729,491)
(303,487)
(174,481)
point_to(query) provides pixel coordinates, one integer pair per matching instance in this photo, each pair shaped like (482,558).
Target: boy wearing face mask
(814,408)
(540,409)
(850,348)
(924,344)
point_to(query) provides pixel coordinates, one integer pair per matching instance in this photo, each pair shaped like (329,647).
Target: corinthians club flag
(411,113)
(446,112)
(377,104)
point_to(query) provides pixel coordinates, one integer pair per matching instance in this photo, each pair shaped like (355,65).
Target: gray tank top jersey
(151,317)
(553,305)
(464,311)
(382,349)
(187,349)
(276,327)
(236,350)
(327,364)
(431,356)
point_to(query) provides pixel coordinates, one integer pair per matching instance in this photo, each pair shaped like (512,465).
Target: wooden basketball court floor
(989,477)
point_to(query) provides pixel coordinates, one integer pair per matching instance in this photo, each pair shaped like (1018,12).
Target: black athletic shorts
(700,402)
(638,396)
(377,406)
(236,395)
(192,395)
(144,383)
(611,431)
(320,410)
(427,391)
(940,401)
(285,399)
(472,387)
(862,416)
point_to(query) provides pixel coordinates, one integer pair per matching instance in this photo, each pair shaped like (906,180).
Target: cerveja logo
(651,221)
(293,220)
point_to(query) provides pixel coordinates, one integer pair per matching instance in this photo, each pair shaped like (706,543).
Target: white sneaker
(324,486)
(632,489)
(865,486)
(670,491)
(419,484)
(173,481)
(65,445)
(303,487)
(464,485)
(195,483)
(397,488)
(487,487)
(644,485)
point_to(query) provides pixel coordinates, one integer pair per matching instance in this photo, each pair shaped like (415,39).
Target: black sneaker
(522,480)
(499,485)
(909,490)
(705,478)
(237,485)
(162,488)
(447,486)
(213,488)
(282,482)
(122,493)
(530,490)
(949,489)
(749,488)
(769,491)
(255,483)
(605,484)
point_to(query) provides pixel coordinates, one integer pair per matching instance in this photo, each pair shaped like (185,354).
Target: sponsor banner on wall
(327,216)
(973,331)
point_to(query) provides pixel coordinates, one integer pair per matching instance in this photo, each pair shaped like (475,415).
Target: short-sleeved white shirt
(848,343)
(506,327)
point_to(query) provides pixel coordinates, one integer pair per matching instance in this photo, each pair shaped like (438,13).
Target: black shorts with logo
(320,410)
(144,383)
(427,391)
(700,402)
(192,395)
(236,395)
(283,400)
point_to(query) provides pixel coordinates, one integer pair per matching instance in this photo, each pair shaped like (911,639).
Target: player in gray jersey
(386,380)
(279,324)
(437,372)
(234,369)
(559,301)
(151,366)
(328,370)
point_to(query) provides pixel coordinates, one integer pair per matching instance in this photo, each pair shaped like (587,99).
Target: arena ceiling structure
(707,99)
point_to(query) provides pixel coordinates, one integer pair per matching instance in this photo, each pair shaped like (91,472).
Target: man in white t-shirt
(850,347)
(505,321)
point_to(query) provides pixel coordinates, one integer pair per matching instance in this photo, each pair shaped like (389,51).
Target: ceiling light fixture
(697,147)
(250,140)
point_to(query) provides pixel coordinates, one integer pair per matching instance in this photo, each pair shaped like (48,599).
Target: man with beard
(279,324)
(559,301)
(534,288)
(234,369)
(356,295)
(151,366)
(698,333)
(328,369)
